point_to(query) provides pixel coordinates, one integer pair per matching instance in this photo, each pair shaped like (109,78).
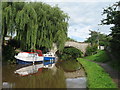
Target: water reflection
(44,79)
(8,85)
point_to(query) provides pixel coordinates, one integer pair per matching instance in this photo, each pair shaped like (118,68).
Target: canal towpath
(114,74)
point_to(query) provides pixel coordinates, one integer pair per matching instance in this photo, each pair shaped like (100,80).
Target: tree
(90,50)
(70,39)
(35,24)
(113,17)
(26,23)
(69,53)
(9,11)
(95,36)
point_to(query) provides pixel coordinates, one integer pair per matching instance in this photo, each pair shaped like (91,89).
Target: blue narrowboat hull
(25,62)
(30,62)
(46,63)
(49,58)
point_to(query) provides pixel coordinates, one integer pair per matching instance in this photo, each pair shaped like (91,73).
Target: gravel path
(115,75)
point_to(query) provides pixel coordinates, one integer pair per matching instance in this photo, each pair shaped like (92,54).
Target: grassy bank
(69,65)
(96,76)
(101,56)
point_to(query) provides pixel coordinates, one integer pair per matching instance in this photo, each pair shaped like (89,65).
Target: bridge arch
(79,45)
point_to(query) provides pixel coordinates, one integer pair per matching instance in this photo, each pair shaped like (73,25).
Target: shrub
(90,50)
(101,56)
(70,53)
(8,53)
(14,43)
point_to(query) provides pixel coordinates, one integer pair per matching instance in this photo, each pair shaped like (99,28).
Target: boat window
(31,55)
(50,55)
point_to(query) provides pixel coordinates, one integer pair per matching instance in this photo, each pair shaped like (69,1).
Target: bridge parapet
(78,45)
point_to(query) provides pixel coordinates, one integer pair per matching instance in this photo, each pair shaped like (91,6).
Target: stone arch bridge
(79,45)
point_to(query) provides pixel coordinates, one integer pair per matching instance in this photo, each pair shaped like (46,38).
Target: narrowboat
(35,56)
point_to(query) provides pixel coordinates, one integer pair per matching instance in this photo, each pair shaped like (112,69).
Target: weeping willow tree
(37,25)
(52,26)
(9,11)
(8,19)
(26,21)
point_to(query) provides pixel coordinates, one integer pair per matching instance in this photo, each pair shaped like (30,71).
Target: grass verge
(101,56)
(96,76)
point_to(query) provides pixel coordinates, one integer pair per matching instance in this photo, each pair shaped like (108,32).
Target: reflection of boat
(29,57)
(33,69)
(7,85)
(29,70)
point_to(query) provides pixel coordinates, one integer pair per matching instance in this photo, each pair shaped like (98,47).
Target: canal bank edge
(96,76)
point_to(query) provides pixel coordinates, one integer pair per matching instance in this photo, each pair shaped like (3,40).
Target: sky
(84,15)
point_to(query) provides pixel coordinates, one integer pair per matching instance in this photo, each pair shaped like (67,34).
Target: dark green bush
(90,50)
(70,53)
(14,43)
(100,56)
(8,53)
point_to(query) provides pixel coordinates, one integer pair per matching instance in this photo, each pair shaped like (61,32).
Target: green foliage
(93,39)
(70,39)
(36,24)
(9,12)
(69,53)
(96,76)
(100,56)
(8,53)
(14,43)
(98,38)
(26,22)
(90,50)
(69,65)
(113,17)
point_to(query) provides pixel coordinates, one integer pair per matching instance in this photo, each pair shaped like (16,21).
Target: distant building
(101,47)
(7,38)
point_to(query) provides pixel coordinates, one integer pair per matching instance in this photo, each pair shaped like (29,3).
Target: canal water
(79,82)
(45,78)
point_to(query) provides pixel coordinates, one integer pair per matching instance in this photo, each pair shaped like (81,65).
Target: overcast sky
(84,15)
